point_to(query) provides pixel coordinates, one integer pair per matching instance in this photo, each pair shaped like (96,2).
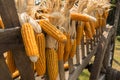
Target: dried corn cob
(30,42)
(15,74)
(1,23)
(100,21)
(52,31)
(73,49)
(92,24)
(87,30)
(105,14)
(103,22)
(10,62)
(67,47)
(81,17)
(40,65)
(52,63)
(79,33)
(60,50)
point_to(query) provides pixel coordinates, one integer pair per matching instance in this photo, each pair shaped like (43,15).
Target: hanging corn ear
(1,23)
(103,22)
(30,42)
(87,30)
(79,33)
(10,62)
(105,14)
(73,49)
(92,24)
(52,63)
(100,21)
(81,17)
(52,31)
(60,50)
(67,47)
(40,65)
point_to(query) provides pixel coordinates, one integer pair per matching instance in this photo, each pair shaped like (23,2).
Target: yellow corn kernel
(10,62)
(1,23)
(60,50)
(52,63)
(87,30)
(52,31)
(29,40)
(79,33)
(40,65)
(73,49)
(81,17)
(67,47)
(92,24)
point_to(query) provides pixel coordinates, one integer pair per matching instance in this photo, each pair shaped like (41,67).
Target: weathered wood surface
(9,39)
(100,53)
(112,74)
(4,71)
(116,21)
(10,19)
(61,70)
(8,13)
(80,67)
(23,64)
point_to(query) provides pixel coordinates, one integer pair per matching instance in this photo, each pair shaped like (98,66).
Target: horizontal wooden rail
(103,44)
(9,39)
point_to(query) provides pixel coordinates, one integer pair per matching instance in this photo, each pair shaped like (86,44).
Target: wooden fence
(102,47)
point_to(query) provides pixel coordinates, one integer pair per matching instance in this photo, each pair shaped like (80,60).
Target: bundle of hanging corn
(53,30)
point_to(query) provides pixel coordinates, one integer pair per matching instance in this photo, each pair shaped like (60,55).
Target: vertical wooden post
(23,64)
(4,71)
(10,19)
(61,70)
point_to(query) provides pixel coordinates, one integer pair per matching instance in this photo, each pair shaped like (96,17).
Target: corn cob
(73,49)
(92,24)
(1,23)
(66,66)
(67,47)
(105,14)
(30,42)
(103,22)
(15,74)
(41,63)
(60,50)
(87,30)
(100,21)
(52,63)
(52,31)
(10,62)
(79,33)
(81,17)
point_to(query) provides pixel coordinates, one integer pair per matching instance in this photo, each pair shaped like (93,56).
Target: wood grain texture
(4,71)
(9,13)
(10,19)
(97,65)
(23,64)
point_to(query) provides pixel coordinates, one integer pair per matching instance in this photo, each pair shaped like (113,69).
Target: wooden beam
(8,13)
(4,71)
(9,39)
(85,62)
(10,19)
(100,54)
(23,64)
